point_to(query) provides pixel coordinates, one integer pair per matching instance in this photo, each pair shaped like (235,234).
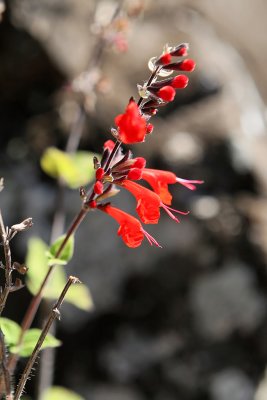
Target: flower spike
(119,168)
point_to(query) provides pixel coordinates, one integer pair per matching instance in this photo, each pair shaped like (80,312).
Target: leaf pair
(12,332)
(39,258)
(75,169)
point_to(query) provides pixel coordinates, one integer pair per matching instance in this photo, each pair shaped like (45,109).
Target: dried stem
(8,265)
(55,313)
(4,373)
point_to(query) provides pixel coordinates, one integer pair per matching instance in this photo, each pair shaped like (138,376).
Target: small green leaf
(67,252)
(55,261)
(75,169)
(29,341)
(11,331)
(36,261)
(80,296)
(60,393)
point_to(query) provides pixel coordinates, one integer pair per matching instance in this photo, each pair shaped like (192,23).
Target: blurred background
(187,321)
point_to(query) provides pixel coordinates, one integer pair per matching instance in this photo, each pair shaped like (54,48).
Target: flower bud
(99,173)
(165,59)
(185,65)
(180,51)
(140,162)
(149,128)
(166,93)
(179,82)
(98,187)
(134,174)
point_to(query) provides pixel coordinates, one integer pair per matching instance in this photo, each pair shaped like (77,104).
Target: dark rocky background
(188,321)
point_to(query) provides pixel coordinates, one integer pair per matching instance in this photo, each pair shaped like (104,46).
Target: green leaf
(60,393)
(54,261)
(29,341)
(75,169)
(11,331)
(36,261)
(80,296)
(67,252)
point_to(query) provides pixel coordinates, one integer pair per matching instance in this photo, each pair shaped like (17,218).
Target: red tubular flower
(130,229)
(131,125)
(149,203)
(159,181)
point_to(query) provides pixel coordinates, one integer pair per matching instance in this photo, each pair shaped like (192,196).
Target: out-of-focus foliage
(60,393)
(66,254)
(12,331)
(38,261)
(75,169)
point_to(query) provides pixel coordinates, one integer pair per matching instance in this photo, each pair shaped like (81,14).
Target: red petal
(130,229)
(148,202)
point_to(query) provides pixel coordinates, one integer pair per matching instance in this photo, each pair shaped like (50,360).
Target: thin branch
(4,373)
(8,264)
(54,314)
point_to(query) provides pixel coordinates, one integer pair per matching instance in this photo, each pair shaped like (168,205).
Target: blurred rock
(112,392)
(261,393)
(231,384)
(226,301)
(133,353)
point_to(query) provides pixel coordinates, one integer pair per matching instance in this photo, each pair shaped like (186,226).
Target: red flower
(130,229)
(148,203)
(159,181)
(131,125)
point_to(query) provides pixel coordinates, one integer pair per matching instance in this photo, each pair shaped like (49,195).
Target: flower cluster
(119,169)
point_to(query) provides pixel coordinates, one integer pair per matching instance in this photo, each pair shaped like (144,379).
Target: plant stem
(4,375)
(8,265)
(33,307)
(46,365)
(150,79)
(55,313)
(112,154)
